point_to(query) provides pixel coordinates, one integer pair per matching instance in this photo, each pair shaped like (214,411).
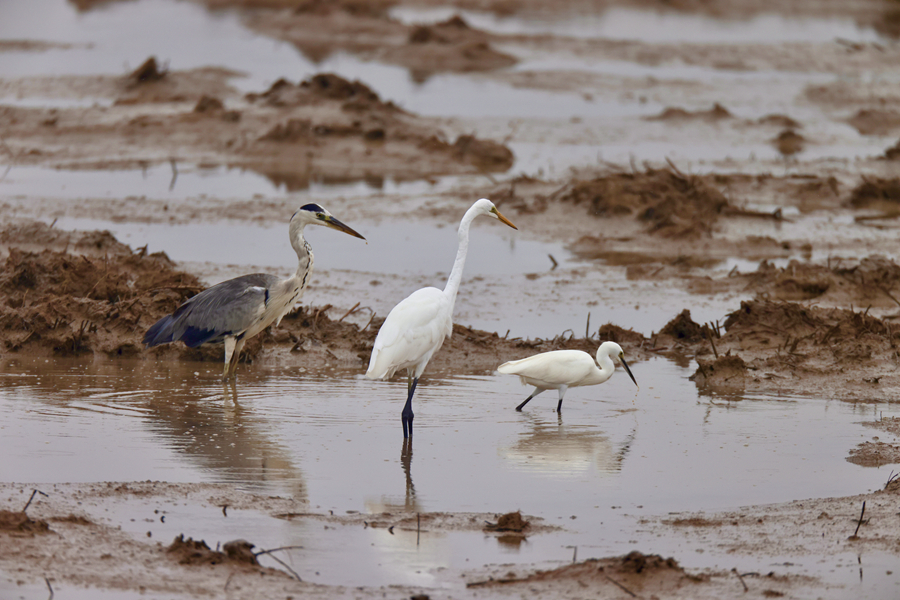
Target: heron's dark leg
(562,392)
(407,414)
(528,399)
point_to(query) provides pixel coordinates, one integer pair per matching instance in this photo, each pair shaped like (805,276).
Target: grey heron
(238,309)
(561,369)
(416,328)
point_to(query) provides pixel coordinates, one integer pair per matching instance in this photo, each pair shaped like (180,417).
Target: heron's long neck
(455,278)
(304,255)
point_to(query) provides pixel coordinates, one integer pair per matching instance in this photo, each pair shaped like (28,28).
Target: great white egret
(415,329)
(239,308)
(561,369)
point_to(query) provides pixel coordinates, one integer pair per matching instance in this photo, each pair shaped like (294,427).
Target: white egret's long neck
(455,278)
(304,254)
(607,368)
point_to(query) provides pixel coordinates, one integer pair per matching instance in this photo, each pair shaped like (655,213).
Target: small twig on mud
(889,295)
(891,479)
(227,581)
(174,174)
(370,321)
(860,522)
(281,562)
(553,260)
(225,509)
(587,327)
(741,578)
(349,312)
(674,168)
(709,336)
(49,587)
(277,550)
(575,555)
(33,493)
(622,587)
(418,527)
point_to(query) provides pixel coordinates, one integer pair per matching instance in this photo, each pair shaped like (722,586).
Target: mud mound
(893,153)
(848,353)
(684,330)
(323,86)
(637,562)
(18,523)
(870,281)
(147,72)
(58,303)
(193,553)
(671,204)
(712,115)
(789,142)
(875,121)
(620,335)
(874,454)
(509,522)
(725,370)
(876,192)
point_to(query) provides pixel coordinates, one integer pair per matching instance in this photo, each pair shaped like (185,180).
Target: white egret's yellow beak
(503,219)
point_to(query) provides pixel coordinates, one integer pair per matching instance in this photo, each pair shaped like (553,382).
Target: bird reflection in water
(559,449)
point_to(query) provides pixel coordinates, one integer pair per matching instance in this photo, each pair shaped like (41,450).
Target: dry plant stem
(621,587)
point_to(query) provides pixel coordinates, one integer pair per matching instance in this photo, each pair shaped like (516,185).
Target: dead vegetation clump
(148,72)
(768,340)
(19,524)
(684,330)
(875,121)
(876,192)
(670,203)
(195,552)
(63,304)
(868,281)
(789,142)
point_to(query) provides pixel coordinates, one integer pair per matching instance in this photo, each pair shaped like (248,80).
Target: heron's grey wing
(227,308)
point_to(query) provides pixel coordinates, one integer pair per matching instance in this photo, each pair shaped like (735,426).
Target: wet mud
(797,243)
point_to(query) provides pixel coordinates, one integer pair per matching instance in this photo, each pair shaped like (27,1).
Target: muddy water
(332,441)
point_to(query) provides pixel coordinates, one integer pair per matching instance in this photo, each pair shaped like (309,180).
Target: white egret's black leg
(528,399)
(407,414)
(562,393)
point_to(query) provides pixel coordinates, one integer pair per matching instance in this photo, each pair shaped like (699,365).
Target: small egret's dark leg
(528,399)
(562,393)
(407,414)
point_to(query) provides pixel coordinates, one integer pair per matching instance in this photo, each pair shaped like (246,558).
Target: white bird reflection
(568,450)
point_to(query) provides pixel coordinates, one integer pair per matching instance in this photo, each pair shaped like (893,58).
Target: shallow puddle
(332,441)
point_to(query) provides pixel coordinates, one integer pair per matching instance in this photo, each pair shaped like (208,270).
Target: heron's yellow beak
(503,219)
(330,221)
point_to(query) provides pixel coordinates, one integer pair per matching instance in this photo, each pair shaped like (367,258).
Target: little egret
(561,369)
(239,308)
(415,329)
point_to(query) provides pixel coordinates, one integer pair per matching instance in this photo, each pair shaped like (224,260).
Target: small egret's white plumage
(416,328)
(561,369)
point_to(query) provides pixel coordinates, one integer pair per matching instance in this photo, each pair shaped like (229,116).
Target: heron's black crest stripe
(312,208)
(266,300)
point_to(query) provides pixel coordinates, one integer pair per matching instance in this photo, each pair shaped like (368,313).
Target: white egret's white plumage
(561,369)
(416,328)
(240,308)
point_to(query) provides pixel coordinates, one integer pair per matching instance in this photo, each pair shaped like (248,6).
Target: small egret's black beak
(625,364)
(503,219)
(330,221)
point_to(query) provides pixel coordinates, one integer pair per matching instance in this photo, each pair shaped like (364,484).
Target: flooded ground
(734,159)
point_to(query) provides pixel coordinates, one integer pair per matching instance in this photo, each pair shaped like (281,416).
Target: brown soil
(94,295)
(509,522)
(875,121)
(195,552)
(875,454)
(323,128)
(876,193)
(768,345)
(20,524)
(714,114)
